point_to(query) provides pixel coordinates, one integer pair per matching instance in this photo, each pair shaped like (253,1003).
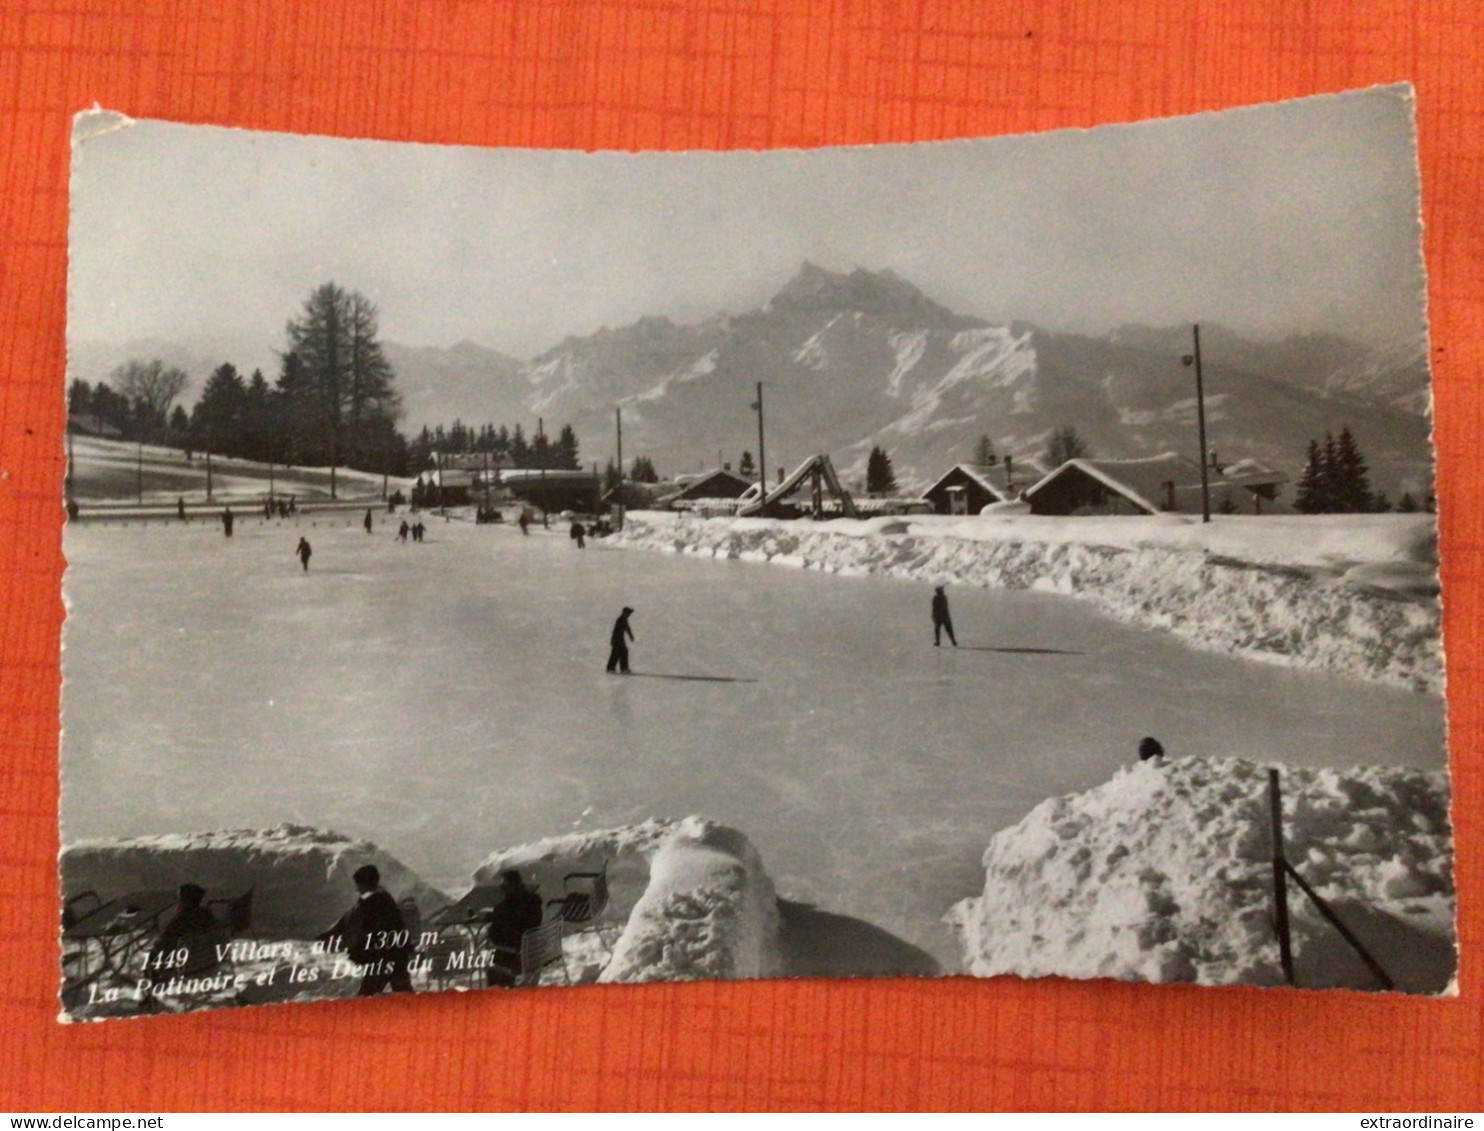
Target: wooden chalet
(1163,484)
(967,488)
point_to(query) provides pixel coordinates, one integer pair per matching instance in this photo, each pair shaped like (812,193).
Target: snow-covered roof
(1252,473)
(527,474)
(1153,483)
(705,484)
(994,478)
(1141,481)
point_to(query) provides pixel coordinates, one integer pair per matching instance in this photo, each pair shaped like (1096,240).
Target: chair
(584,901)
(540,947)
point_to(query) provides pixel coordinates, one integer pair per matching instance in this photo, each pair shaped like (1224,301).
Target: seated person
(192,918)
(513,916)
(188,922)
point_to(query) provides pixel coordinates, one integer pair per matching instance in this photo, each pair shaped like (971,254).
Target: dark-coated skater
(227,520)
(402,531)
(303,549)
(618,654)
(579,535)
(525,522)
(942,622)
(180,508)
(367,522)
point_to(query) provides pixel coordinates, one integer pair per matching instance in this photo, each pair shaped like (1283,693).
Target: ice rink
(449,698)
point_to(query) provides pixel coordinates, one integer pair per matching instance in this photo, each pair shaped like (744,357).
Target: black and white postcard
(494,569)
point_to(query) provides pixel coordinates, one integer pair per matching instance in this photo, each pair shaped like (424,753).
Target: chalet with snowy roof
(552,490)
(1161,484)
(707,490)
(967,488)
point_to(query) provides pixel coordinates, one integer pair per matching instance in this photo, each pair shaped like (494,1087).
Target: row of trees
(335,401)
(1335,480)
(505,446)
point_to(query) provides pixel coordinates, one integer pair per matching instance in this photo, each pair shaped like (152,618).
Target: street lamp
(1200,415)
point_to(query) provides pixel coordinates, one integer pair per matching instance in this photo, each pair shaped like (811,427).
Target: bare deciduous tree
(153,384)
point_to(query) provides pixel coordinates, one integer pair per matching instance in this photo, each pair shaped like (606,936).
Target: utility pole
(1200,415)
(141,472)
(762,456)
(541,431)
(208,475)
(618,419)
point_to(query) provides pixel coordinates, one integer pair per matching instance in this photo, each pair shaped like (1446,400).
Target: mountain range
(849,361)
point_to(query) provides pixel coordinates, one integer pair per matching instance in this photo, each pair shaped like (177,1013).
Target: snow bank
(693,896)
(301,877)
(1351,594)
(1164,874)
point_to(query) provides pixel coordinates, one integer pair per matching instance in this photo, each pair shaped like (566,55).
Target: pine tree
(984,452)
(216,422)
(644,470)
(880,478)
(746,465)
(1352,487)
(1310,491)
(566,454)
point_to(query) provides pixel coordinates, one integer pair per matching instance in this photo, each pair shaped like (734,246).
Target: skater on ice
(180,508)
(367,522)
(942,622)
(517,912)
(303,549)
(618,655)
(579,535)
(402,531)
(227,520)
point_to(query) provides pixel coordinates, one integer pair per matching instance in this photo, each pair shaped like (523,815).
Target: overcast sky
(1299,216)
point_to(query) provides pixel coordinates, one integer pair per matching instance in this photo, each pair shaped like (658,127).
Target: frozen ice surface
(449,698)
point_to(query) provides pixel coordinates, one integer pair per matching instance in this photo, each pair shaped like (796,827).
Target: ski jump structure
(821,475)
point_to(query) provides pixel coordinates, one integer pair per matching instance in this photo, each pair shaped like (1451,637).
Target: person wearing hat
(941,620)
(618,654)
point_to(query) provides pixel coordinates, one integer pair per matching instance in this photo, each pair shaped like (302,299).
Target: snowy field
(448,699)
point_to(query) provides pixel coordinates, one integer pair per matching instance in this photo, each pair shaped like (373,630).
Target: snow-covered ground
(445,698)
(691,900)
(107,475)
(1353,594)
(1164,874)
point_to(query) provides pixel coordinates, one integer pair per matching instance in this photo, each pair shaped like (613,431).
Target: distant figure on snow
(525,521)
(618,654)
(1150,749)
(579,535)
(402,531)
(942,622)
(227,520)
(303,549)
(513,916)
(367,522)
(180,508)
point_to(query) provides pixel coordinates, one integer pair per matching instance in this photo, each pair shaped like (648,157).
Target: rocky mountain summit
(853,360)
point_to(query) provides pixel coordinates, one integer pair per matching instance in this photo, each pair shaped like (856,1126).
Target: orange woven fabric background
(715,74)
